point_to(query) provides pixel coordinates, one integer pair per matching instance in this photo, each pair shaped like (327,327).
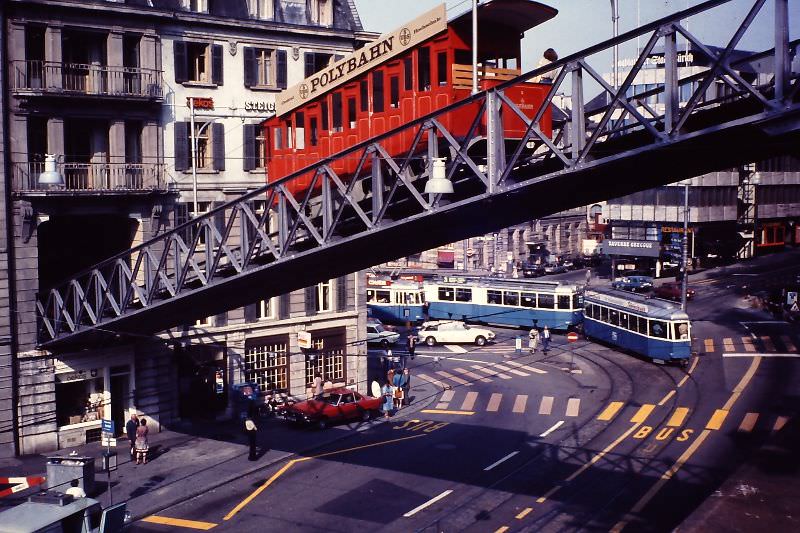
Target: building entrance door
(120,400)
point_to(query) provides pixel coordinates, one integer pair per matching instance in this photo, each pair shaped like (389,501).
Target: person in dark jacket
(130,429)
(252,434)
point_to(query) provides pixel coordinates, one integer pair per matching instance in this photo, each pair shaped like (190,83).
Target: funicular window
(547,301)
(494,297)
(680,331)
(300,130)
(603,314)
(351,112)
(463,294)
(658,329)
(441,68)
(510,298)
(325,123)
(377,92)
(446,294)
(288,125)
(394,92)
(278,136)
(314,131)
(563,301)
(383,296)
(424,69)
(363,87)
(336,103)
(613,317)
(371,296)
(408,74)
(528,299)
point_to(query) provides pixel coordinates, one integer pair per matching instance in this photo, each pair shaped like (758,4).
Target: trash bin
(62,470)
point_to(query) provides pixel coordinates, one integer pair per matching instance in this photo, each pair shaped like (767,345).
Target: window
(351,112)
(329,363)
(589,311)
(510,298)
(377,92)
(528,300)
(324,299)
(658,329)
(203,143)
(262,9)
(320,12)
(681,331)
(264,65)
(446,294)
(197,62)
(563,301)
(314,131)
(576,301)
(408,74)
(264,68)
(300,130)
(394,92)
(336,106)
(196,6)
(382,296)
(441,68)
(79,401)
(613,316)
(314,62)
(266,309)
(210,139)
(325,119)
(603,314)
(547,301)
(494,297)
(463,294)
(277,134)
(255,147)
(268,365)
(424,69)
(623,320)
(364,94)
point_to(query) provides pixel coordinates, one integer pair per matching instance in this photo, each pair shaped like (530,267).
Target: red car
(672,291)
(335,405)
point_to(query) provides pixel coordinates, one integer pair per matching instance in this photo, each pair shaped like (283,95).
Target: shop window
(329,363)
(268,365)
(78,401)
(446,294)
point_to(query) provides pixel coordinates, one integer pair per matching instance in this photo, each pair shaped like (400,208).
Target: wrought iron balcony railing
(91,177)
(47,77)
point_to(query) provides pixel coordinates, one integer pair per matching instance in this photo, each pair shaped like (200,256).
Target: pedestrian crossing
(484,372)
(754,344)
(517,404)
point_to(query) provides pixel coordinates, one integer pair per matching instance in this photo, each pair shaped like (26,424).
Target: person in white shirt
(548,57)
(75,490)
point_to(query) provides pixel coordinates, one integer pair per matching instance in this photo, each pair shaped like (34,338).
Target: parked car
(633,283)
(532,271)
(453,332)
(672,291)
(554,268)
(371,321)
(377,334)
(336,405)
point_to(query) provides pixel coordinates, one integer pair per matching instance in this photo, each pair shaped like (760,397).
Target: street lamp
(50,176)
(438,183)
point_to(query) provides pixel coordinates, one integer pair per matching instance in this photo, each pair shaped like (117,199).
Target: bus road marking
(678,417)
(430,502)
(717,419)
(610,411)
(552,429)
(178,522)
(642,414)
(504,459)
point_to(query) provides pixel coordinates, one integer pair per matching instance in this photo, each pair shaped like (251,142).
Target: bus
(650,327)
(504,302)
(395,301)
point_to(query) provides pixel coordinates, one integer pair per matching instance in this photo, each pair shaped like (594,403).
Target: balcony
(49,78)
(91,178)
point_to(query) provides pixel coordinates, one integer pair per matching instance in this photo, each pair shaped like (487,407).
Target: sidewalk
(189,460)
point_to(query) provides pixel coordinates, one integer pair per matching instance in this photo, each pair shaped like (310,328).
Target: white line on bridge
(506,458)
(428,503)
(552,429)
(754,354)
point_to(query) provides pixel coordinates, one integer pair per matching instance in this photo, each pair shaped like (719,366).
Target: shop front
(629,256)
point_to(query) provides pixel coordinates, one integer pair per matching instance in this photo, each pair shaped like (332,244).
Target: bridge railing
(380,182)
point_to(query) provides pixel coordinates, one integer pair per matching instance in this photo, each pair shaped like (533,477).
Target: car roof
(339,390)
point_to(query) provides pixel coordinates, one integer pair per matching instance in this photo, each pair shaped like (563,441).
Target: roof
(653,307)
(33,516)
(516,16)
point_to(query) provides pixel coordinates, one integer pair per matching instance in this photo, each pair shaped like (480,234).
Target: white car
(377,334)
(453,332)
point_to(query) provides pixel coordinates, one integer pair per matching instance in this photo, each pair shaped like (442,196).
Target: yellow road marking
(525,512)
(709,345)
(748,422)
(494,402)
(546,406)
(691,369)
(717,419)
(447,412)
(787,341)
(241,505)
(669,473)
(469,401)
(666,398)
(768,344)
(501,529)
(610,411)
(519,403)
(179,522)
(473,375)
(642,414)
(573,406)
(780,422)
(678,417)
(728,342)
(748,344)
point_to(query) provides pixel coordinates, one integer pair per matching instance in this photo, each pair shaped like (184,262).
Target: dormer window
(262,9)
(320,12)
(196,6)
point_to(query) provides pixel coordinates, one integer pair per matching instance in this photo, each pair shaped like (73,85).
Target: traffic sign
(107,426)
(572,336)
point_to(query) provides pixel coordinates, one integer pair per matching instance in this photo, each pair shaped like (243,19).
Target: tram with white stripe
(505,302)
(653,328)
(395,301)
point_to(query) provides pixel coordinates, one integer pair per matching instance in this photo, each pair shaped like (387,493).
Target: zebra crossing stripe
(728,342)
(444,401)
(546,406)
(709,345)
(768,344)
(573,406)
(433,381)
(451,377)
(748,344)
(519,403)
(473,375)
(748,423)
(510,370)
(469,401)
(787,341)
(780,422)
(526,367)
(678,417)
(610,411)
(491,372)
(494,402)
(455,348)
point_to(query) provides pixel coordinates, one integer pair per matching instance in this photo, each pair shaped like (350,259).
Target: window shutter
(311,300)
(282,76)
(181,64)
(249,160)
(221,320)
(341,293)
(309,63)
(218,145)
(250,67)
(251,312)
(181,145)
(216,64)
(283,306)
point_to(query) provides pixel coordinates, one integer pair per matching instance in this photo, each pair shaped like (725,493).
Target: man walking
(252,433)
(411,343)
(546,339)
(130,429)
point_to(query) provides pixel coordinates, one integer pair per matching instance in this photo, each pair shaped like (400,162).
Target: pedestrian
(130,429)
(411,343)
(588,276)
(142,443)
(545,339)
(252,433)
(75,490)
(548,57)
(406,385)
(388,400)
(318,388)
(397,390)
(533,340)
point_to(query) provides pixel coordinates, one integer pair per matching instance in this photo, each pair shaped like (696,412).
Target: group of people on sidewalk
(395,391)
(534,337)
(137,431)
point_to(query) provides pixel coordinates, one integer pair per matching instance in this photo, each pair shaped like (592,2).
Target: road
(580,438)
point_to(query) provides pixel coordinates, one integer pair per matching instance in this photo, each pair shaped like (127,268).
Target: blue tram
(653,328)
(507,302)
(395,301)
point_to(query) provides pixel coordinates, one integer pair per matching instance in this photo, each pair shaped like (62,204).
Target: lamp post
(685,245)
(615,25)
(474,46)
(194,135)
(50,176)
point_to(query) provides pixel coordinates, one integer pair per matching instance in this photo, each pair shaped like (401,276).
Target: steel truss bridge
(270,241)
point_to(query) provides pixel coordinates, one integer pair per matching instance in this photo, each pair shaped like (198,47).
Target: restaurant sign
(631,247)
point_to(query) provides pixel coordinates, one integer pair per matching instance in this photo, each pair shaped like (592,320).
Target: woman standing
(397,390)
(533,339)
(142,445)
(388,399)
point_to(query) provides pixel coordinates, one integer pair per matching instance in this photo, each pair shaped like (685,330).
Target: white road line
(526,367)
(445,357)
(510,370)
(430,502)
(489,371)
(473,375)
(552,429)
(519,403)
(546,407)
(506,458)
(754,354)
(436,382)
(455,348)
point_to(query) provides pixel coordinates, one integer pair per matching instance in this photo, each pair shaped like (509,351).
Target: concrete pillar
(53,57)
(114,60)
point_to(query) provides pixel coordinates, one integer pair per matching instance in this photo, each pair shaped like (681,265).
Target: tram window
(441,68)
(494,297)
(587,311)
(613,317)
(383,296)
(681,331)
(364,93)
(528,299)
(658,328)
(394,92)
(351,112)
(563,301)
(424,69)
(604,314)
(314,133)
(623,320)
(408,74)
(463,294)
(633,323)
(370,295)
(510,298)
(336,104)
(576,301)
(300,130)
(412,298)
(325,123)
(377,92)
(446,294)
(642,325)
(278,136)
(547,301)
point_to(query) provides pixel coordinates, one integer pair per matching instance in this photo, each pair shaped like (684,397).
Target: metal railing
(337,212)
(48,77)
(91,177)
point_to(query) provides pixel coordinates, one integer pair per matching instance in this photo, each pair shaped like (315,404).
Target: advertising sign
(304,339)
(631,247)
